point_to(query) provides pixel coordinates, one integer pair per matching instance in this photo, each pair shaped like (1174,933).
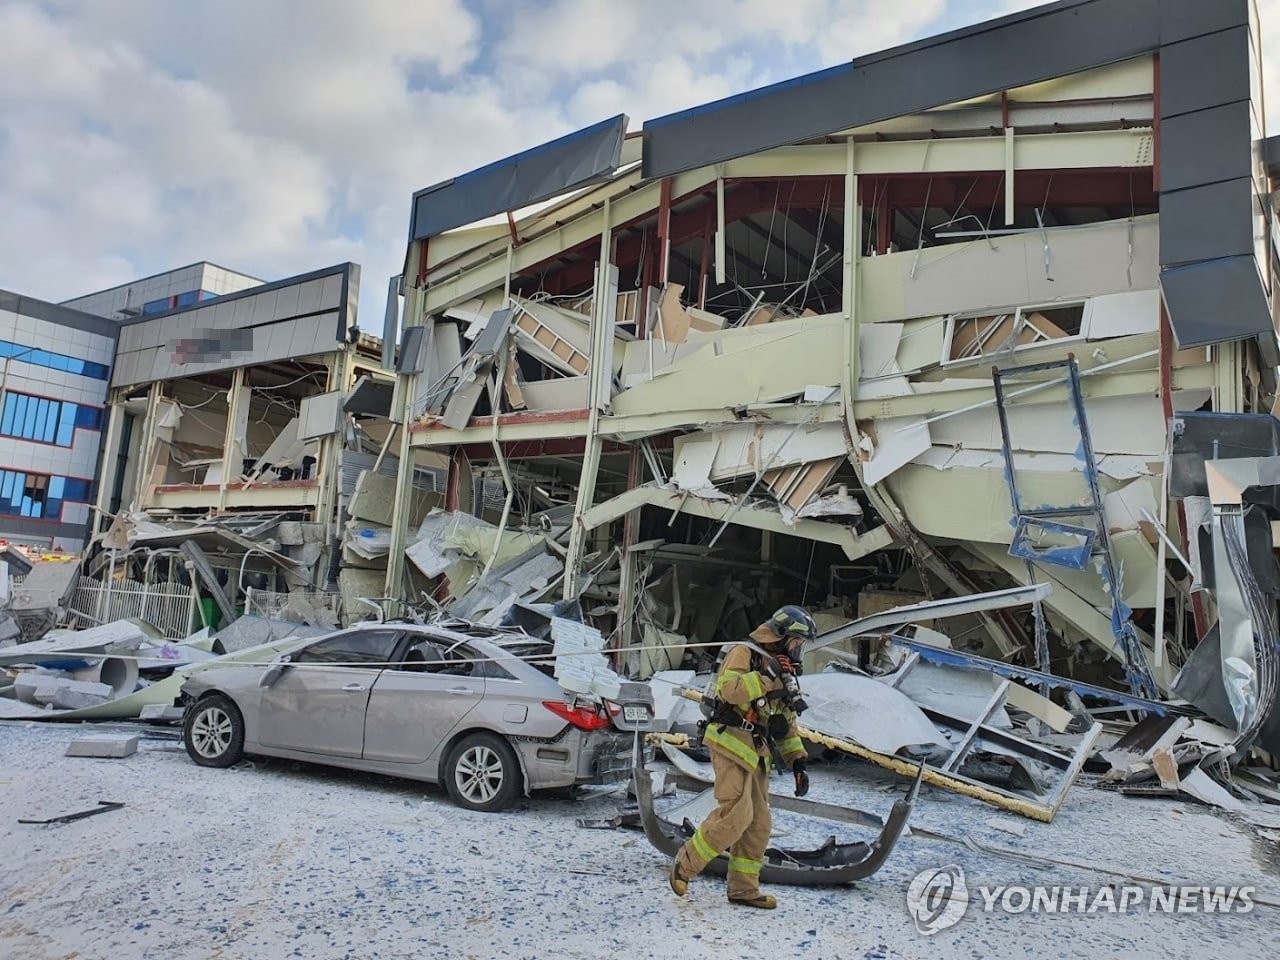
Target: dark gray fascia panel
(370,398)
(1207,146)
(1271,156)
(577,160)
(1205,72)
(1043,43)
(1184,19)
(26,527)
(350,273)
(1215,301)
(1207,222)
(56,313)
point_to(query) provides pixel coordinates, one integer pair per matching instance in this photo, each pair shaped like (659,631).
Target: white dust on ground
(275,859)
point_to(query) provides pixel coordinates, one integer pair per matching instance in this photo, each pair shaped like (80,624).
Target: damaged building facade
(960,316)
(238,431)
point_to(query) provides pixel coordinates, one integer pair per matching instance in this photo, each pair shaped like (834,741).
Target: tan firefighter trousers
(740,824)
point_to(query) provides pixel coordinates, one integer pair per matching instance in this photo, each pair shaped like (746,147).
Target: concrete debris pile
(481,570)
(889,691)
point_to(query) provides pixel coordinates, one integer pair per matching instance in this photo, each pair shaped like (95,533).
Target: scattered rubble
(1026,483)
(111,746)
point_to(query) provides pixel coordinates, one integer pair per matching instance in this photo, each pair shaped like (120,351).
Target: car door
(413,710)
(317,704)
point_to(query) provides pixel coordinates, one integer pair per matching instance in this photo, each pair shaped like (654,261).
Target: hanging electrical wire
(280,386)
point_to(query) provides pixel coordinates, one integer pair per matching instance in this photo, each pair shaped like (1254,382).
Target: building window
(45,420)
(38,495)
(54,361)
(206,295)
(156,306)
(188,298)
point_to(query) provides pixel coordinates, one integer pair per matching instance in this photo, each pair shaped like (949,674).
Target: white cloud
(277,136)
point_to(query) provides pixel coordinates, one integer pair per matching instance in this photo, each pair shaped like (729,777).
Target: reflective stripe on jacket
(741,686)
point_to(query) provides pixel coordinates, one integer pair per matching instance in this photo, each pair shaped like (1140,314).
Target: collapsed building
(967,346)
(963,315)
(237,431)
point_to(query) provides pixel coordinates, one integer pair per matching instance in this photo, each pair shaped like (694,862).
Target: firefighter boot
(679,884)
(765,901)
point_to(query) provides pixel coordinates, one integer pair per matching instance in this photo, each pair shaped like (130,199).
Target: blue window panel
(54,361)
(67,424)
(28,418)
(39,496)
(188,298)
(206,295)
(76,489)
(89,418)
(156,306)
(45,420)
(98,371)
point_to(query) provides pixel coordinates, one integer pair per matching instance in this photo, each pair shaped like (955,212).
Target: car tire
(213,732)
(482,773)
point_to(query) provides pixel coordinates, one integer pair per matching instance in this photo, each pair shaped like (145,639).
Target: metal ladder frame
(1094,540)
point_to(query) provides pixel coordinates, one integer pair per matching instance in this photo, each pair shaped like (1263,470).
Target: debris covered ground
(279,859)
(1024,476)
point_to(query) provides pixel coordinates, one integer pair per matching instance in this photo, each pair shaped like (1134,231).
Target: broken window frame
(1020,323)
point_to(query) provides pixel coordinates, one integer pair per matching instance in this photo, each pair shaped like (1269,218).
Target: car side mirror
(273,672)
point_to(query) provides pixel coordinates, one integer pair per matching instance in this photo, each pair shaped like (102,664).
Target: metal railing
(170,607)
(276,606)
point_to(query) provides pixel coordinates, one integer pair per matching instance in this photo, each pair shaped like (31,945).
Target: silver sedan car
(455,704)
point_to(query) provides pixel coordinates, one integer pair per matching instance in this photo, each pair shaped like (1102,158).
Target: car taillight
(581,717)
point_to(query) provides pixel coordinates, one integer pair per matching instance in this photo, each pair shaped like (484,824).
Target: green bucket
(210,615)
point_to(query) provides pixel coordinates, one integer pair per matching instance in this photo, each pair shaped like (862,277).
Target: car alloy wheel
(479,774)
(211,732)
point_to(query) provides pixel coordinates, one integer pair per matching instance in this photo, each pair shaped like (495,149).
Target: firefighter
(755,715)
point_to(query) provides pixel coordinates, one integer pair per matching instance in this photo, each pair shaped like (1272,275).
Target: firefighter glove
(802,778)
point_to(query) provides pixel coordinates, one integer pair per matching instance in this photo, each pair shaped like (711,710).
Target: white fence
(289,606)
(171,607)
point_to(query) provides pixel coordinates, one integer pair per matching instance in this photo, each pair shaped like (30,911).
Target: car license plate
(634,714)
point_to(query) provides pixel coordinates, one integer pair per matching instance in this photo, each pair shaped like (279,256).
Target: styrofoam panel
(1121,315)
(898,441)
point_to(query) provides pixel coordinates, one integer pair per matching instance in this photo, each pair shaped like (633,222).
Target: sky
(275,137)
